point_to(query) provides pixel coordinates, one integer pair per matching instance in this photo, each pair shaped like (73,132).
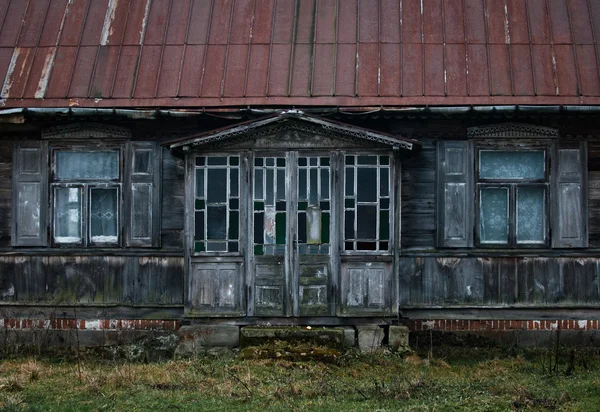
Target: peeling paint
(107,28)
(8,79)
(45,77)
(145,21)
(506,28)
(582,324)
(555,77)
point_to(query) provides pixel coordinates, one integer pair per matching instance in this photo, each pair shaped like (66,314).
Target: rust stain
(45,77)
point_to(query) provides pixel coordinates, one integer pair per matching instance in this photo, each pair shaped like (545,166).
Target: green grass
(469,380)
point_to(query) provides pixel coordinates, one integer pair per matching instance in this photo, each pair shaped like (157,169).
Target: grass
(466,380)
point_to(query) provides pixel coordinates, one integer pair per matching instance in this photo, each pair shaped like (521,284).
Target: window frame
(513,185)
(86,185)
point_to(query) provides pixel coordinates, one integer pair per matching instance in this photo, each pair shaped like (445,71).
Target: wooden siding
(6,150)
(501,281)
(91,280)
(173,188)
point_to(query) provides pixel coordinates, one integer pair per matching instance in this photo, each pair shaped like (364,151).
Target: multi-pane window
(367,202)
(512,189)
(217,205)
(314,205)
(270,206)
(86,189)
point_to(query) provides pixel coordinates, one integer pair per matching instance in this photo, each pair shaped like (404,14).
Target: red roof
(203,53)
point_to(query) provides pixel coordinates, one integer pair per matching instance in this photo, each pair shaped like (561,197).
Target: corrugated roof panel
(543,70)
(94,22)
(125,76)
(136,22)
(588,70)
(200,20)
(477,75)
(74,20)
(454,21)
(170,68)
(53,23)
(298,52)
(18,73)
(368,69)
(368,21)
(258,69)
(538,22)
(456,73)
(157,22)
(178,22)
(497,30)
(326,21)
(474,21)
(302,67)
(432,21)
(104,72)
(241,21)
(559,19)
(33,24)
(517,21)
(213,73)
(220,22)
(279,70)
(191,72)
(566,71)
(391,72)
(322,79)
(82,75)
(521,70)
(433,81)
(412,69)
(235,75)
(411,22)
(263,21)
(345,70)
(40,70)
(11,27)
(580,22)
(347,21)
(305,22)
(500,70)
(146,78)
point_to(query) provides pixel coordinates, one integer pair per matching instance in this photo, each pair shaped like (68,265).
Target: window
(86,191)
(367,203)
(86,195)
(512,197)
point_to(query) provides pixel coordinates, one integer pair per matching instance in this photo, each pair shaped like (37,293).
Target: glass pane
(87,165)
(270,187)
(216,185)
(216,222)
(497,164)
(217,160)
(324,184)
(530,215)
(199,182)
(67,215)
(234,225)
(280,183)
(366,222)
(349,225)
(302,192)
(366,189)
(258,183)
(384,182)
(494,215)
(103,215)
(313,189)
(234,182)
(199,226)
(349,181)
(142,162)
(384,225)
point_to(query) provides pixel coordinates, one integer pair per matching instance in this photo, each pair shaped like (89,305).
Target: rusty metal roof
(239,53)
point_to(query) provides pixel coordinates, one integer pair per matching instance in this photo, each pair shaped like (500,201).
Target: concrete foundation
(370,338)
(398,338)
(196,339)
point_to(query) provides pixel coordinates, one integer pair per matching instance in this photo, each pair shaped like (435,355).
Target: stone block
(197,338)
(259,335)
(369,338)
(349,336)
(398,338)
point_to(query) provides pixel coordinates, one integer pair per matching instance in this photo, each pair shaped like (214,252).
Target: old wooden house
(433,163)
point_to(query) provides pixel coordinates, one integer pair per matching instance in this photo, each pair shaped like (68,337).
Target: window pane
(200,183)
(366,184)
(530,215)
(87,165)
(216,222)
(67,215)
(103,215)
(366,222)
(497,164)
(216,185)
(494,215)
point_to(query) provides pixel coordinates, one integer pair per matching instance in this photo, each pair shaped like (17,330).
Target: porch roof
(290,53)
(284,119)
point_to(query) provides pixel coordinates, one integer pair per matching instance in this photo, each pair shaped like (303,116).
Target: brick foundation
(87,324)
(476,325)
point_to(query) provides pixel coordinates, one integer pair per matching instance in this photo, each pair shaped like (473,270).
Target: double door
(293,255)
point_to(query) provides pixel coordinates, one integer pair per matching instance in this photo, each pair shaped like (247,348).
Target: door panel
(269,286)
(366,288)
(313,293)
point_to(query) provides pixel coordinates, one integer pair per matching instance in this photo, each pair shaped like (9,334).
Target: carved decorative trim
(330,130)
(86,131)
(511,130)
